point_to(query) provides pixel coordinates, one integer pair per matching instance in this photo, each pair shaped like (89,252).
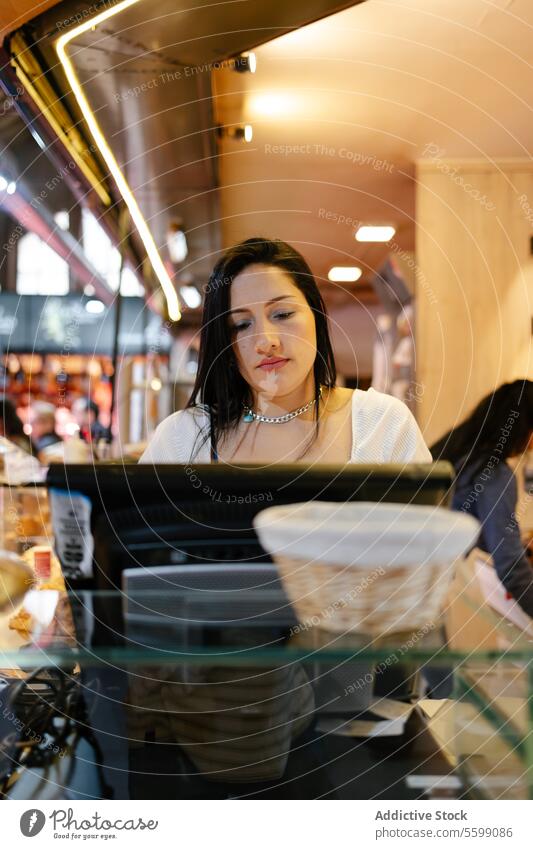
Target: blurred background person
(11,426)
(500,428)
(43,425)
(87,414)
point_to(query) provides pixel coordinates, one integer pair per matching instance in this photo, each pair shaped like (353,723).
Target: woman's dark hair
(219,383)
(10,422)
(500,425)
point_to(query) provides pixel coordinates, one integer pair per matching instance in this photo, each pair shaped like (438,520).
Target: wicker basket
(368,568)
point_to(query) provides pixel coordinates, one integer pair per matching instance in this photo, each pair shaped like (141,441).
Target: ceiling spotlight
(11,188)
(369,233)
(177,242)
(3,183)
(95,307)
(191,296)
(242,132)
(344,273)
(245,63)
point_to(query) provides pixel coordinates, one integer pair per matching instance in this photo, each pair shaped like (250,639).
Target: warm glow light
(370,233)
(248,133)
(105,150)
(156,384)
(344,273)
(273,105)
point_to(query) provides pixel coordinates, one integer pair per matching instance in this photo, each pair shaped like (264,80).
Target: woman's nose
(267,339)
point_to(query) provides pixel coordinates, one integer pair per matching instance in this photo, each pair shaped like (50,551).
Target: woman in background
(499,428)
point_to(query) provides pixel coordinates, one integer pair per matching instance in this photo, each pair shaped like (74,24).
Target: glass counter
(195,695)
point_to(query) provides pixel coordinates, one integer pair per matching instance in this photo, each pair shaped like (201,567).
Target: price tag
(74,542)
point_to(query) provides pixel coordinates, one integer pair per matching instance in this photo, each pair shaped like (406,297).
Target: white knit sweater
(383,431)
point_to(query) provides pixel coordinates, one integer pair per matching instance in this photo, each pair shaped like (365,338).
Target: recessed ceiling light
(11,188)
(344,273)
(95,307)
(371,233)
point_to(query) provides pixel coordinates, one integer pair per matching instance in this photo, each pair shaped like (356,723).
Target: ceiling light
(89,290)
(344,273)
(245,63)
(191,296)
(156,384)
(109,158)
(11,188)
(177,242)
(95,307)
(243,132)
(370,233)
(3,183)
(62,219)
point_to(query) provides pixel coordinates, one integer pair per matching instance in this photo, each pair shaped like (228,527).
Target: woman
(266,389)
(499,428)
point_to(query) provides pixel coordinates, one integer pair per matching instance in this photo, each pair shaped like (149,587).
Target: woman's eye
(283,314)
(242,325)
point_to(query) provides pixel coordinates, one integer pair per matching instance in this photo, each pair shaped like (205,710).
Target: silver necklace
(251,416)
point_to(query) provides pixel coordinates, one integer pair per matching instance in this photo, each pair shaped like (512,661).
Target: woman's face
(272,329)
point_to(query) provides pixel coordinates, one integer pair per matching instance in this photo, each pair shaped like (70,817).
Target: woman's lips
(273,364)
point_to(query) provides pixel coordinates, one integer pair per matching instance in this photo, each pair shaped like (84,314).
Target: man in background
(43,425)
(87,413)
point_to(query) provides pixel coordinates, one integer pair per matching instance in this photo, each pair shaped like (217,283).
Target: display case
(177,694)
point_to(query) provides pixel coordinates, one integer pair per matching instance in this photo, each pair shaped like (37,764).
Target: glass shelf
(199,627)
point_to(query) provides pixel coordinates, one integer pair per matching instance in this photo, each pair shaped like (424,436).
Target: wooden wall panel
(474,284)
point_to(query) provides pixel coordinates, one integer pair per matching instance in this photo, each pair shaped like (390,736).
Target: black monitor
(109,517)
(118,526)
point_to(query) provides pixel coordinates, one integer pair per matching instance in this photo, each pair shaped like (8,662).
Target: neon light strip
(112,164)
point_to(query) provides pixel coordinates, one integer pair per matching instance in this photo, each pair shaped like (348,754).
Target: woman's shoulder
(175,436)
(385,430)
(378,404)
(190,417)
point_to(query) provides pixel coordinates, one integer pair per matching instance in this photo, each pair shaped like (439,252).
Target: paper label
(71,521)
